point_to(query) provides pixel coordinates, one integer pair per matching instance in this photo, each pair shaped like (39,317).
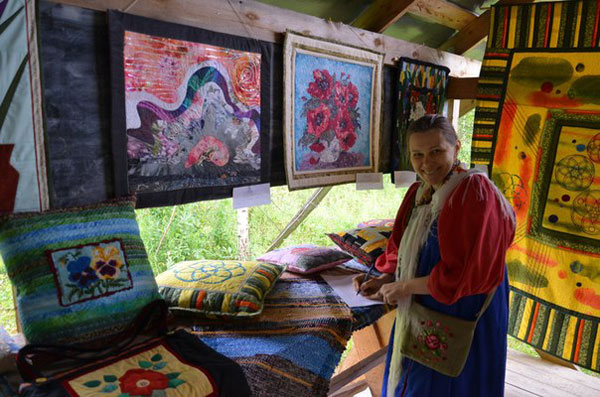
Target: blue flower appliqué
(81,273)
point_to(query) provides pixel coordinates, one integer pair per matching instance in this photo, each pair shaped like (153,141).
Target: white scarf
(414,237)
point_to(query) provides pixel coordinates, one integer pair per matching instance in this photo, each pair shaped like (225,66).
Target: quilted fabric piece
(80,274)
(213,287)
(537,124)
(365,244)
(306,258)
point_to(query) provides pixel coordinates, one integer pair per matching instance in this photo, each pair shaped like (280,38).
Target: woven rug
(293,346)
(537,124)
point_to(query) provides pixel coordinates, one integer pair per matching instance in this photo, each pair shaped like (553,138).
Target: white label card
(251,196)
(404,178)
(368,181)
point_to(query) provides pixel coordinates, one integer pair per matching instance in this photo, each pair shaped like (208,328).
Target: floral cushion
(364,244)
(213,287)
(376,222)
(80,273)
(306,258)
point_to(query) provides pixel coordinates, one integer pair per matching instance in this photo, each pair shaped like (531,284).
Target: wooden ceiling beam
(469,36)
(269,23)
(462,88)
(381,14)
(443,12)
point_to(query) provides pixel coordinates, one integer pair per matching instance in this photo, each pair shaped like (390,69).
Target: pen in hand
(366,277)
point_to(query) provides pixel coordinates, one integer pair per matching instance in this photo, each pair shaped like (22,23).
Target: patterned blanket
(293,347)
(538,122)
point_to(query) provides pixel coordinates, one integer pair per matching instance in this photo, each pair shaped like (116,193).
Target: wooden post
(454,112)
(310,205)
(243,237)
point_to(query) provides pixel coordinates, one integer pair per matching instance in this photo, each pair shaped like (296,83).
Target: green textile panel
(81,274)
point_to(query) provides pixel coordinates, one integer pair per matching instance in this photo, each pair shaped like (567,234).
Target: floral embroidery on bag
(89,271)
(432,341)
(143,381)
(156,372)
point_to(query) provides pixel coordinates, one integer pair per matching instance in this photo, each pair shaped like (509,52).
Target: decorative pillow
(80,273)
(306,258)
(376,222)
(213,287)
(365,244)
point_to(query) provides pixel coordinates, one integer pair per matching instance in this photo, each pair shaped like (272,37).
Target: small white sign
(251,196)
(368,181)
(404,178)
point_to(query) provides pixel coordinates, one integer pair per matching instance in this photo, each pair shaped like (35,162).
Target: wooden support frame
(310,205)
(381,14)
(471,35)
(443,12)
(265,22)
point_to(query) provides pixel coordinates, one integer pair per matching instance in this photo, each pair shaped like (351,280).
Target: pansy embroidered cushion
(376,222)
(214,287)
(306,258)
(80,273)
(365,244)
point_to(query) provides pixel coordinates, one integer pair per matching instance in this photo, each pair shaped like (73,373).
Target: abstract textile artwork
(23,180)
(537,124)
(421,90)
(331,111)
(189,111)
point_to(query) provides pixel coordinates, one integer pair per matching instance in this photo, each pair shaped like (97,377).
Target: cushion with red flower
(306,258)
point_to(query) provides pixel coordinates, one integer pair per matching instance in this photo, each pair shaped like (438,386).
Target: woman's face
(432,156)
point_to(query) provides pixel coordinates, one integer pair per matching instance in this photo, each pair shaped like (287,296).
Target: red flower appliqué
(322,86)
(432,342)
(142,382)
(318,120)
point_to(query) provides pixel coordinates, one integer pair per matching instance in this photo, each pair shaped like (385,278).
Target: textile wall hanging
(538,119)
(332,106)
(23,182)
(76,81)
(191,110)
(421,90)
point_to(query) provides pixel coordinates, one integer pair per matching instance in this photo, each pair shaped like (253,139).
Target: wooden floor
(528,376)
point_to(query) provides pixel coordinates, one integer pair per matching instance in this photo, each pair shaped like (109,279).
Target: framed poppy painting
(191,111)
(332,107)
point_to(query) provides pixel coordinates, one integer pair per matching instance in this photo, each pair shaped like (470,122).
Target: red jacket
(473,234)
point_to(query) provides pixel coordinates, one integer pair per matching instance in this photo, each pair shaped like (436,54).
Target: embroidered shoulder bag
(172,363)
(440,341)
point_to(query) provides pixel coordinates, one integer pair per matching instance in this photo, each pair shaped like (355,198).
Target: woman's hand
(391,293)
(372,286)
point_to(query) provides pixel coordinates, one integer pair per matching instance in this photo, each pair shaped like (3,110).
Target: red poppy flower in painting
(340,95)
(317,147)
(342,124)
(318,120)
(347,141)
(142,382)
(322,86)
(246,80)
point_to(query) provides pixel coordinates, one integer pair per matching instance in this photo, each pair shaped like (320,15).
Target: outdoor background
(208,229)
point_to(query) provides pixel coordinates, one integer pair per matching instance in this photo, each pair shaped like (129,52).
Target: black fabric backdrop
(77,90)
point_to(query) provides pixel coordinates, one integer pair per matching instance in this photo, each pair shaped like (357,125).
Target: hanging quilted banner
(191,111)
(23,181)
(421,90)
(537,124)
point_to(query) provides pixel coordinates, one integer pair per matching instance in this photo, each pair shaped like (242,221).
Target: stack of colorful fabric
(293,347)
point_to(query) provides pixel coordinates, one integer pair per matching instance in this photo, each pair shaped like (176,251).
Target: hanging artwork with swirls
(192,111)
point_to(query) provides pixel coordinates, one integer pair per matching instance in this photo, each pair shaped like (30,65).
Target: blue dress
(484,371)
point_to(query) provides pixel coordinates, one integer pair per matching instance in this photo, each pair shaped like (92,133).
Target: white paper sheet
(404,178)
(369,181)
(251,196)
(342,285)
